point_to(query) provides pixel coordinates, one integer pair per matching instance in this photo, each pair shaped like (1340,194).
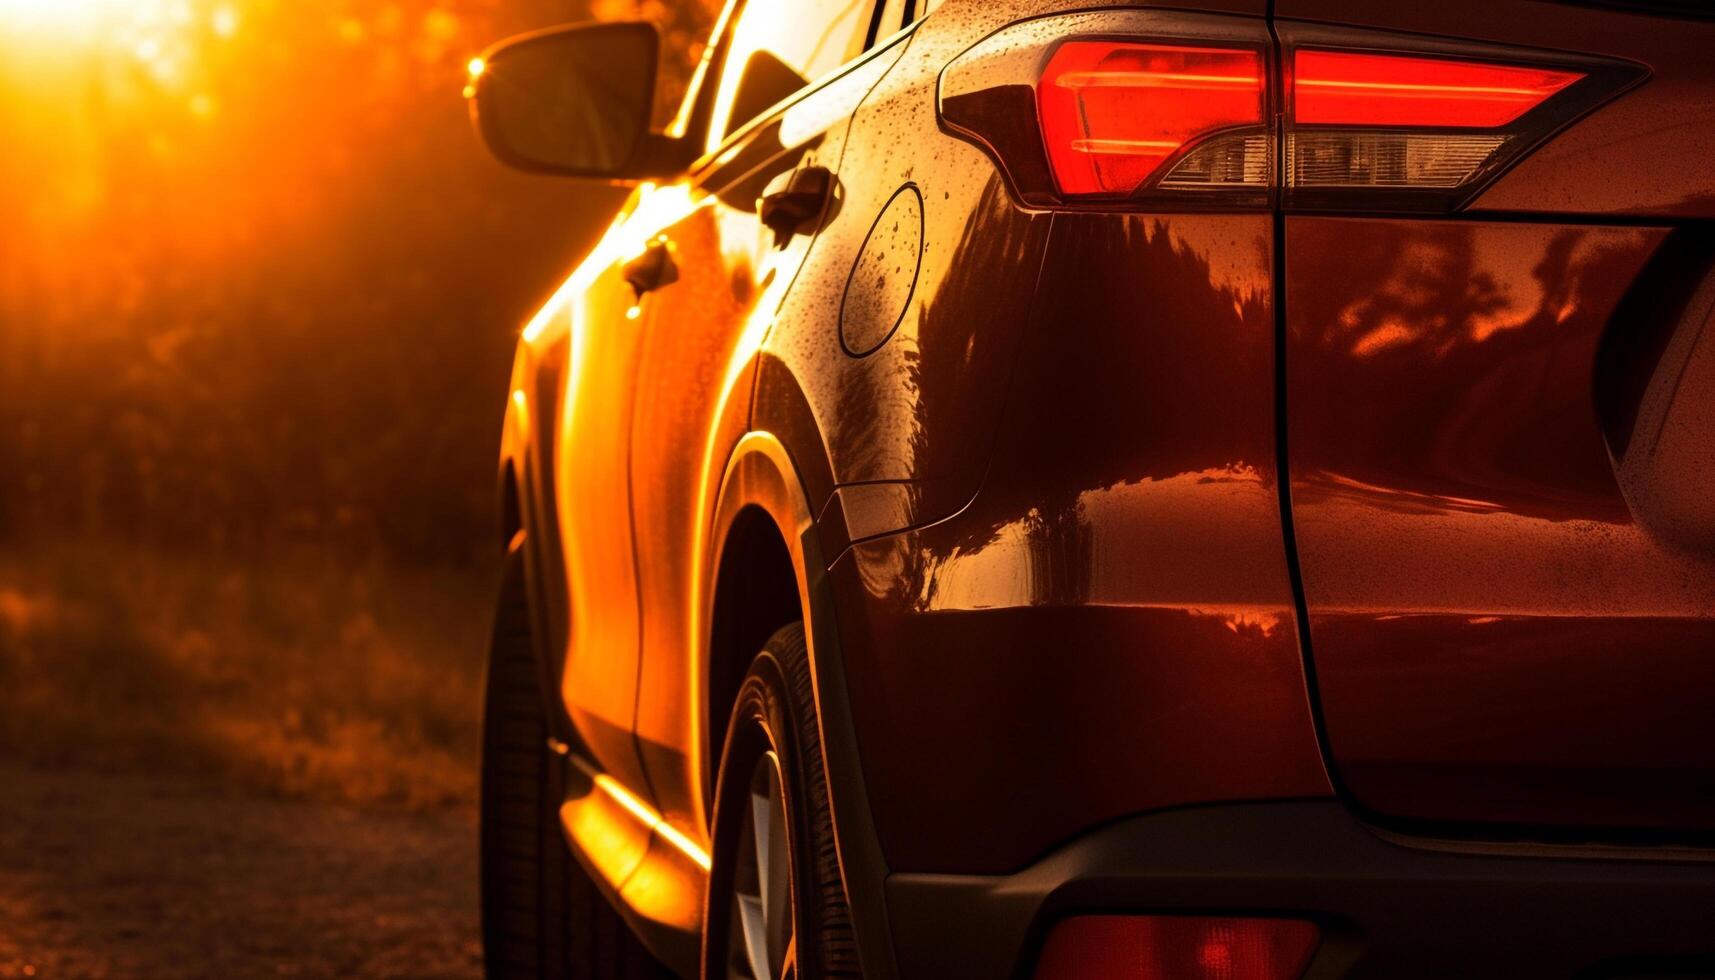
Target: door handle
(793,198)
(653,269)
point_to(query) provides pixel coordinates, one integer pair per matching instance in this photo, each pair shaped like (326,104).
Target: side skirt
(654,876)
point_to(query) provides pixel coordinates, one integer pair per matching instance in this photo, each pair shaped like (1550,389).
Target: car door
(1495,414)
(791,76)
(582,559)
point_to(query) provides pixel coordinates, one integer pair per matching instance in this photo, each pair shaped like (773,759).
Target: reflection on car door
(1500,632)
(699,335)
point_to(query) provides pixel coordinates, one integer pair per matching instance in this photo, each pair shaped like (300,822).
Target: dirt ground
(132,876)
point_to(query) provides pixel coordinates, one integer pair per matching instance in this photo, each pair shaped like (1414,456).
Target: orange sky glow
(243,244)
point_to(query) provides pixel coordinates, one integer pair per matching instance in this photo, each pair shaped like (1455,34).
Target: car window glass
(780,46)
(897,15)
(893,17)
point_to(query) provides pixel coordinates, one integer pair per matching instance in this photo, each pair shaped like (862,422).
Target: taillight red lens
(1351,89)
(1176,947)
(1113,114)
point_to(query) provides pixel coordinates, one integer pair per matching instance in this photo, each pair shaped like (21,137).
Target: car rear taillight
(1117,117)
(1146,108)
(1176,947)
(1415,132)
(1121,108)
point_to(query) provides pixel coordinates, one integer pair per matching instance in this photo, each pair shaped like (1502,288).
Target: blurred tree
(684,27)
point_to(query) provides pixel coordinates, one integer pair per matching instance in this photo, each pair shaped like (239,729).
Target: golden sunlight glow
(165,39)
(475,68)
(652,209)
(645,814)
(639,809)
(96,21)
(224,21)
(62,15)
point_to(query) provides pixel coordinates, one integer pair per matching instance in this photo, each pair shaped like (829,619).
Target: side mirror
(573,101)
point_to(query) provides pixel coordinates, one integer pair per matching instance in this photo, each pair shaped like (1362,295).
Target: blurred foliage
(259,285)
(302,674)
(684,27)
(259,293)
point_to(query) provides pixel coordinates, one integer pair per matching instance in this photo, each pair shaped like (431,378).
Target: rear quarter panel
(1108,627)
(1092,616)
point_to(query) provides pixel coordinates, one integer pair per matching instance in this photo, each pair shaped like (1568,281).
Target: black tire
(542,916)
(775,712)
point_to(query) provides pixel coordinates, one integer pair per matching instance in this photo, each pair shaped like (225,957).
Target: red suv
(1049,488)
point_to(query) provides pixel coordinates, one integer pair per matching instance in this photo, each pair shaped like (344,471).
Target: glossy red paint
(1123,555)
(1497,637)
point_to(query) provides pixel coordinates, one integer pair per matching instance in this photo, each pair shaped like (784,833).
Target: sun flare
(59,15)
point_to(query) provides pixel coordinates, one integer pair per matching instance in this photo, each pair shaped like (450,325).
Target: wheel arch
(755,594)
(758,574)
(762,511)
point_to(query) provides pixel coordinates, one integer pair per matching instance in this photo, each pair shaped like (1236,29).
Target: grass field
(291,674)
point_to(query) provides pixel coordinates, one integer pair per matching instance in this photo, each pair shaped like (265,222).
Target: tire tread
(542,916)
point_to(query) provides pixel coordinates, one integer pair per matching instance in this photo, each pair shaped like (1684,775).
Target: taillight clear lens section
(1350,89)
(1176,947)
(1358,159)
(1117,117)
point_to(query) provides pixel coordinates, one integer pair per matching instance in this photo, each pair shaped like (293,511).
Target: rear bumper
(1386,909)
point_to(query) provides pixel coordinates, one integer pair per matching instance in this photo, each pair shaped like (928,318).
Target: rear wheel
(777,906)
(542,916)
